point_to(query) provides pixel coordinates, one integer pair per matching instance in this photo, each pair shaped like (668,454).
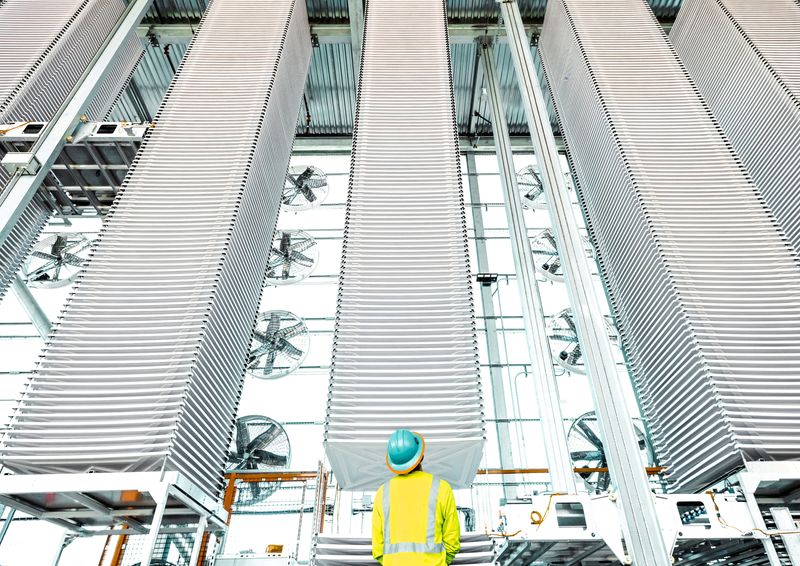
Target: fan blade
(258,352)
(570,324)
(273,325)
(72,259)
(302,245)
(265,438)
(286,240)
(242,437)
(308,193)
(586,455)
(276,259)
(290,331)
(297,257)
(269,363)
(268,458)
(43,255)
(285,347)
(563,337)
(287,266)
(589,434)
(58,245)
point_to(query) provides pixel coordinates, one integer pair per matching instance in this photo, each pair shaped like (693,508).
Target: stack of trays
(704,286)
(350,551)
(46,45)
(745,58)
(145,367)
(405,349)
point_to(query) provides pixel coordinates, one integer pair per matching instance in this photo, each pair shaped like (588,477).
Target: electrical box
(17,161)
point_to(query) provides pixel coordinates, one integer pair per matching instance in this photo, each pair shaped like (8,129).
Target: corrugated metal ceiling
(330,89)
(326,11)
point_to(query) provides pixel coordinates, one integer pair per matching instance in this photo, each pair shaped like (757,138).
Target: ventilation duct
(711,332)
(405,349)
(46,46)
(145,366)
(743,56)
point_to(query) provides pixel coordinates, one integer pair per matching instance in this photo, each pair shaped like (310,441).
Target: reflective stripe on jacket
(415,522)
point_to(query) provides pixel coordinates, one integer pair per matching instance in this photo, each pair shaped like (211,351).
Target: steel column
(31,306)
(785,523)
(492,347)
(22,187)
(643,532)
(6,522)
(547,398)
(199,539)
(155,527)
(355,10)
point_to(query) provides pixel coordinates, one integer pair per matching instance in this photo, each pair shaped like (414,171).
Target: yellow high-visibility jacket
(417,524)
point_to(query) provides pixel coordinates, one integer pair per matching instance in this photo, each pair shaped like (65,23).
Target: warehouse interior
(242,241)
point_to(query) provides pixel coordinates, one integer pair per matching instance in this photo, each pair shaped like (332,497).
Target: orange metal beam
(651,470)
(255,477)
(119,551)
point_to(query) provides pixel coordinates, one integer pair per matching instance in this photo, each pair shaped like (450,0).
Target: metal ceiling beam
(334,33)
(314,145)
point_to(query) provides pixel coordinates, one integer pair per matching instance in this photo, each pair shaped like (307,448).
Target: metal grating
(713,341)
(744,59)
(158,327)
(405,350)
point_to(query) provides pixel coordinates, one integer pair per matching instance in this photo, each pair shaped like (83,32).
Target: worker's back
(417,524)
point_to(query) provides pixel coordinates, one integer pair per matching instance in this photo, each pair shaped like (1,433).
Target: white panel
(145,366)
(745,58)
(405,349)
(704,286)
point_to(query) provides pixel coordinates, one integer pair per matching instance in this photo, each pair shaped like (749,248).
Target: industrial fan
(531,188)
(293,257)
(305,187)
(543,248)
(56,260)
(280,344)
(563,335)
(260,444)
(587,453)
(546,258)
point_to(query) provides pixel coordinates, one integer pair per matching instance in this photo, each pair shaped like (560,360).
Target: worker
(414,519)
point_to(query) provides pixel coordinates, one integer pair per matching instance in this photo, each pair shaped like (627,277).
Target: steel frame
(89,170)
(576,529)
(492,347)
(97,513)
(34,165)
(641,520)
(548,401)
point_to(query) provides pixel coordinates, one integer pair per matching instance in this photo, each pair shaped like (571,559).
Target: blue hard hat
(405,451)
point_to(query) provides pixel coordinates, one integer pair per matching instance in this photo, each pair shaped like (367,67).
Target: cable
(538,518)
(724,523)
(4,132)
